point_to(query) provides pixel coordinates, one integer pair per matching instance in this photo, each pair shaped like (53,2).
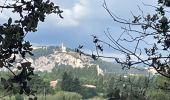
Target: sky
(82,18)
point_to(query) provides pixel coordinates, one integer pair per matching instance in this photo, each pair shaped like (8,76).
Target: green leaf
(4,83)
(3,80)
(1,38)
(9,21)
(21,91)
(61,16)
(30,53)
(30,98)
(1,64)
(5,24)
(19,68)
(13,59)
(48,1)
(27,90)
(29,78)
(17,21)
(26,64)
(35,98)
(18,36)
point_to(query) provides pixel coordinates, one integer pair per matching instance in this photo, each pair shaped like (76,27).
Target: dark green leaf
(9,21)
(19,68)
(27,90)
(30,98)
(61,16)
(4,81)
(1,38)
(1,64)
(13,59)
(5,24)
(26,64)
(31,53)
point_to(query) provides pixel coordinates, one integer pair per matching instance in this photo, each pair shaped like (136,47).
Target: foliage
(58,96)
(135,87)
(68,96)
(19,97)
(73,85)
(100,84)
(158,95)
(88,72)
(88,92)
(39,85)
(70,84)
(12,39)
(130,87)
(160,90)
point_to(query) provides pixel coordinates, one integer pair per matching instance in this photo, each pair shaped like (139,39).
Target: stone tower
(63,48)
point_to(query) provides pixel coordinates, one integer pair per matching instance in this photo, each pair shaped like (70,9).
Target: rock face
(61,56)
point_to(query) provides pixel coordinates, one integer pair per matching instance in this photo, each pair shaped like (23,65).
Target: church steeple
(63,48)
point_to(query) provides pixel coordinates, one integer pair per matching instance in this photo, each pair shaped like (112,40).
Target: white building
(63,48)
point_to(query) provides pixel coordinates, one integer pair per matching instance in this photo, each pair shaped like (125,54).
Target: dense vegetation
(115,84)
(71,85)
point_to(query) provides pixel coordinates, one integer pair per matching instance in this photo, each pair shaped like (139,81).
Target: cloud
(79,10)
(69,19)
(72,15)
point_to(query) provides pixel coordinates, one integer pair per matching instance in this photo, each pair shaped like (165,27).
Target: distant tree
(12,38)
(130,88)
(66,81)
(160,90)
(133,42)
(76,85)
(117,94)
(100,84)
(38,84)
(113,90)
(70,84)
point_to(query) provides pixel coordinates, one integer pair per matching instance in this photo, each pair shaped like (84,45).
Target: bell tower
(63,48)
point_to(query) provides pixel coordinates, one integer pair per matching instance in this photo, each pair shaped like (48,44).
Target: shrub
(158,95)
(19,97)
(88,92)
(68,96)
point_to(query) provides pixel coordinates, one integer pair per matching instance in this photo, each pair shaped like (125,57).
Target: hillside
(46,58)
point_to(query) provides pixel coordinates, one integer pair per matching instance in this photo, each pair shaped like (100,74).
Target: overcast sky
(82,18)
